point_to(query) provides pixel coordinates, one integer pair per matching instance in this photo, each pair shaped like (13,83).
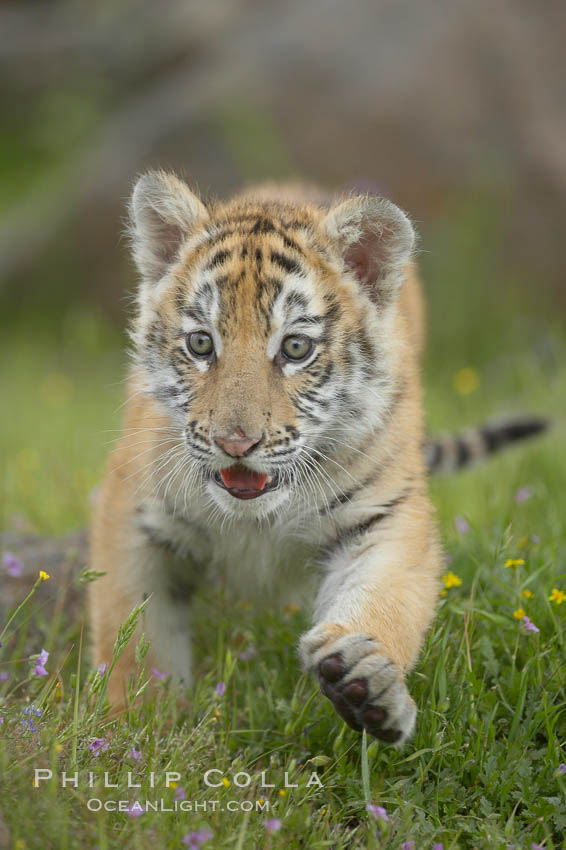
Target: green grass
(62,395)
(482,769)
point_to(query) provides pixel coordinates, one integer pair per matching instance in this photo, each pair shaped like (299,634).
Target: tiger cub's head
(264,331)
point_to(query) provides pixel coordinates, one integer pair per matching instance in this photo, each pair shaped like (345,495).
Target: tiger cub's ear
(375,239)
(163,212)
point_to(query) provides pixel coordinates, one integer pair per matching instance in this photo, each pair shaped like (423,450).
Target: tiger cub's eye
(296,347)
(200,343)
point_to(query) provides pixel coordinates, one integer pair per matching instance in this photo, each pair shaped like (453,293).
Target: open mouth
(244,483)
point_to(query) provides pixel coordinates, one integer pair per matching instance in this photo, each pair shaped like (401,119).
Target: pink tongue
(240,478)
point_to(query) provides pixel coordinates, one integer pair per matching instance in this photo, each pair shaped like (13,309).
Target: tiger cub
(274,436)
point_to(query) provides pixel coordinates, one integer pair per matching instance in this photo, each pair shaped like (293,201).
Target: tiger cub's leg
(136,569)
(373,609)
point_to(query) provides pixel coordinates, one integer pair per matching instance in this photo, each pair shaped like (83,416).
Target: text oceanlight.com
(95,804)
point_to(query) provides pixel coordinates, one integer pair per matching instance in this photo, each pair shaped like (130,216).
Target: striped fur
(448,453)
(344,518)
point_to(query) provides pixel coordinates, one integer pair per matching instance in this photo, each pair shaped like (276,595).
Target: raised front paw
(365,687)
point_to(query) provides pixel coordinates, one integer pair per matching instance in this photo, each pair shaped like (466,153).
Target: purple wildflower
(30,711)
(462,525)
(135,754)
(272,825)
(377,812)
(158,674)
(248,653)
(13,565)
(408,845)
(4,676)
(1,720)
(220,689)
(439,846)
(523,494)
(102,669)
(180,793)
(529,626)
(535,846)
(562,768)
(98,745)
(195,839)
(135,809)
(40,662)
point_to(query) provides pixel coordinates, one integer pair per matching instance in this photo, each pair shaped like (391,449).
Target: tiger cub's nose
(238,443)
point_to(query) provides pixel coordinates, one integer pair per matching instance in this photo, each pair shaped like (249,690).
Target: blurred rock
(63,559)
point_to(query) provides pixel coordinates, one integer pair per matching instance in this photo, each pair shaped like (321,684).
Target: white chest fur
(254,560)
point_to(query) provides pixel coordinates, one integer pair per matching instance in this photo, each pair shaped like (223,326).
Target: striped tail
(445,454)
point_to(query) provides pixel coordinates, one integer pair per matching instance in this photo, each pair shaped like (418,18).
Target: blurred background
(456,111)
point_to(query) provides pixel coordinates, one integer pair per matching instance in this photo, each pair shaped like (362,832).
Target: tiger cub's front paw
(365,687)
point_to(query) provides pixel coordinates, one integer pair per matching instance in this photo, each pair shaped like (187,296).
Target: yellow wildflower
(558,596)
(451,580)
(282,793)
(173,785)
(225,782)
(466,381)
(58,748)
(526,594)
(519,614)
(515,562)
(43,575)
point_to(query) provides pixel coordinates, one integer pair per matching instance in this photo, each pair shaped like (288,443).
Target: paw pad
(332,668)
(356,691)
(352,700)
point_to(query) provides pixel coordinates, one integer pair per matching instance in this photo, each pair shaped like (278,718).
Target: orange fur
(377,544)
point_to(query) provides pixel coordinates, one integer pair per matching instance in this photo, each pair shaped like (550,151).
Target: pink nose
(237,444)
